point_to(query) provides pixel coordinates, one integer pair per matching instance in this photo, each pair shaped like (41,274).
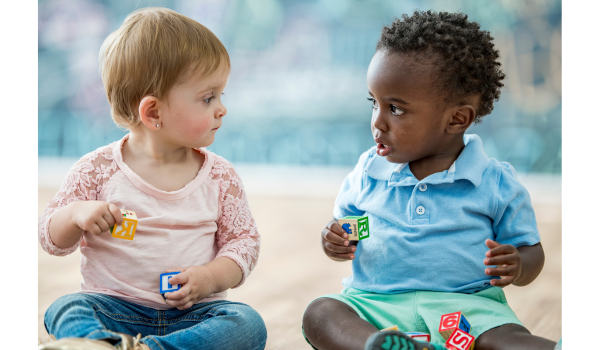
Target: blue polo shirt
(430,234)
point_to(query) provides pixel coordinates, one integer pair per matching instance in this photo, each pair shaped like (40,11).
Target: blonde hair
(153,50)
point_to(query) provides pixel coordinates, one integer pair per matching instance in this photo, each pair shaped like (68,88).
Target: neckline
(147,188)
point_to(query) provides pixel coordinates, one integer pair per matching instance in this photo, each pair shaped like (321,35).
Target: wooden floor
(292,270)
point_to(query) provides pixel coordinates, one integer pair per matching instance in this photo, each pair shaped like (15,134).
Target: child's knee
(253,325)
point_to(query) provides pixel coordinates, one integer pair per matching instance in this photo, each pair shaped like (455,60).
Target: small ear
(148,111)
(462,118)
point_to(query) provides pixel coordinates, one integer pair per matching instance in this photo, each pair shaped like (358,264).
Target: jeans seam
(154,340)
(97,307)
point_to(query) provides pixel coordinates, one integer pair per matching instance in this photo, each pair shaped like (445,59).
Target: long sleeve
(237,236)
(83,183)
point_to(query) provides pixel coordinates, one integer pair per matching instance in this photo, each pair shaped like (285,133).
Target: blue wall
(297,89)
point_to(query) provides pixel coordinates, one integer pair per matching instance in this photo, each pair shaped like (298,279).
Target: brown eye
(373,102)
(396,110)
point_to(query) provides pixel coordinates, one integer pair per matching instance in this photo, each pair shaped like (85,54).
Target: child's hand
(196,284)
(97,217)
(335,244)
(508,261)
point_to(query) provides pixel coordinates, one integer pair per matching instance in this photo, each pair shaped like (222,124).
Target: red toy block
(451,322)
(460,340)
(418,336)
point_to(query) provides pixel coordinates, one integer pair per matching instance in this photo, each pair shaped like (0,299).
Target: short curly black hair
(465,56)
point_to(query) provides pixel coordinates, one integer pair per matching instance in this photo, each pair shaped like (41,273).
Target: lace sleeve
(83,183)
(237,237)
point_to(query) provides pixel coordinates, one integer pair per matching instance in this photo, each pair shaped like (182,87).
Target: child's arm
(75,207)
(334,242)
(238,242)
(518,266)
(68,223)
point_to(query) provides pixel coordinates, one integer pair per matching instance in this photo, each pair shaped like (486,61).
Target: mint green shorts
(422,311)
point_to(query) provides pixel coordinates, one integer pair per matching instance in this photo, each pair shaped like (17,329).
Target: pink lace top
(206,219)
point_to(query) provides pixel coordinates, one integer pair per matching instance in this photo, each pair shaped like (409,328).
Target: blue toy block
(464,324)
(165,286)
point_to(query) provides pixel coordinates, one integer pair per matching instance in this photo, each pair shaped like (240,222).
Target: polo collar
(470,165)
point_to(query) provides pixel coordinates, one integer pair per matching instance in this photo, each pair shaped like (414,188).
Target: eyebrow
(393,99)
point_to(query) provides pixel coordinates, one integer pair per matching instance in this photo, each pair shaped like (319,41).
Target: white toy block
(450,322)
(127,229)
(357,227)
(418,336)
(165,286)
(460,340)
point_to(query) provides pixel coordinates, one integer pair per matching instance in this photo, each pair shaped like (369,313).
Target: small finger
(180,278)
(186,306)
(339,248)
(335,239)
(338,230)
(501,271)
(346,256)
(500,260)
(95,229)
(502,282)
(180,294)
(116,213)
(503,249)
(491,244)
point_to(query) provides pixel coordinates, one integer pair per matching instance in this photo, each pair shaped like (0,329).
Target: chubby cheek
(196,128)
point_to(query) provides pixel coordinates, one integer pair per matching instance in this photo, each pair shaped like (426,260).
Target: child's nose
(377,120)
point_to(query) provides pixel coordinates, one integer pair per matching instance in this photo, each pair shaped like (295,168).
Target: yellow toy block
(127,229)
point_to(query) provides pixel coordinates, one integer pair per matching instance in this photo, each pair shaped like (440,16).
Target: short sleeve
(347,199)
(514,220)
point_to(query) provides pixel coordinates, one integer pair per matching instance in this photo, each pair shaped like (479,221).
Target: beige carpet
(292,270)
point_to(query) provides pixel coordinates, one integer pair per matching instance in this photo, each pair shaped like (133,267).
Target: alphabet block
(460,340)
(418,336)
(127,229)
(357,227)
(165,286)
(453,321)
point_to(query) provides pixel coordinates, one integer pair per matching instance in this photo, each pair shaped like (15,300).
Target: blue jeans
(218,324)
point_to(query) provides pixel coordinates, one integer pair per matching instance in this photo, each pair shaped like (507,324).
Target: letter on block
(453,321)
(127,229)
(165,286)
(357,227)
(418,336)
(460,340)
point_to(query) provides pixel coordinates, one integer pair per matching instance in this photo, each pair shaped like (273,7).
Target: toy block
(127,229)
(392,328)
(357,227)
(165,286)
(453,321)
(418,336)
(460,340)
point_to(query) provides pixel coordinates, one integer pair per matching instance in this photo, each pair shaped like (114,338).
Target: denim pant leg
(73,315)
(214,325)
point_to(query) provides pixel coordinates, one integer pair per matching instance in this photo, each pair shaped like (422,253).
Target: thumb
(491,244)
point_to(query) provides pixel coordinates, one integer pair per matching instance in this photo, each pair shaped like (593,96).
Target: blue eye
(373,102)
(209,99)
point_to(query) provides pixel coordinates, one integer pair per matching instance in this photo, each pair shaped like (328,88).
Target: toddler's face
(194,109)
(407,121)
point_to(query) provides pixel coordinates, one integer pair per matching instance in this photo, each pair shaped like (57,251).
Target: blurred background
(297,90)
(297,121)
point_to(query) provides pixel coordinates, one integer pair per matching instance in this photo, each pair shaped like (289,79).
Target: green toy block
(357,227)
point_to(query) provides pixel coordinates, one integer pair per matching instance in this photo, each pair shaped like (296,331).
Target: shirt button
(423,187)
(420,210)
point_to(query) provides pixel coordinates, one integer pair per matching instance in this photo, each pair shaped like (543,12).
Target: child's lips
(383,150)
